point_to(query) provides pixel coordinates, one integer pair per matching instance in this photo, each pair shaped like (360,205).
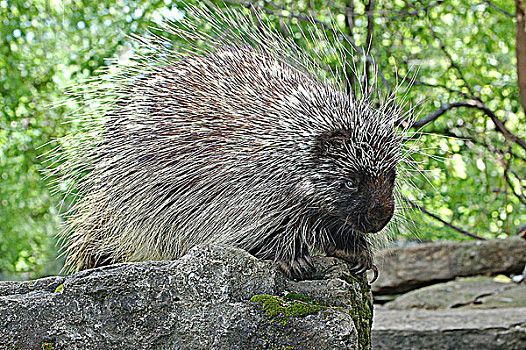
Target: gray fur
(220,143)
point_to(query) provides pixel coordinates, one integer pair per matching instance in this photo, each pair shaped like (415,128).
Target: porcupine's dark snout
(380,212)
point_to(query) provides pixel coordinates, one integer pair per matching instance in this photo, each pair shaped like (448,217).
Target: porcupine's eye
(351,184)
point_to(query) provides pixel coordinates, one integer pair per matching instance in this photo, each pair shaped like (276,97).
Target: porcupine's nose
(380,213)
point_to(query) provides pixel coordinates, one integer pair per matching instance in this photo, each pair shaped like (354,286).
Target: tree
(520,6)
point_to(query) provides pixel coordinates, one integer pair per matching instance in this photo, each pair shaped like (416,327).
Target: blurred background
(467,86)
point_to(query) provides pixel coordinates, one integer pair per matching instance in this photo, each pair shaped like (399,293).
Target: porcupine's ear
(328,141)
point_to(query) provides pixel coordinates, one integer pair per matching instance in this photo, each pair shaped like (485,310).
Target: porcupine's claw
(364,262)
(300,269)
(360,267)
(363,266)
(375,273)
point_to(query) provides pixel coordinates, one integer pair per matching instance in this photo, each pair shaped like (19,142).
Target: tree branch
(477,104)
(456,91)
(495,7)
(507,169)
(436,217)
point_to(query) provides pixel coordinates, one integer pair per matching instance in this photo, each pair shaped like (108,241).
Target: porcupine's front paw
(361,261)
(300,268)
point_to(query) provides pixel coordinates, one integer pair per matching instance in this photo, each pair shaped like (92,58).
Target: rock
(452,329)
(515,296)
(200,301)
(479,312)
(467,292)
(407,268)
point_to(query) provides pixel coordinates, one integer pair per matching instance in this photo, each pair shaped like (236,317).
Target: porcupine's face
(357,179)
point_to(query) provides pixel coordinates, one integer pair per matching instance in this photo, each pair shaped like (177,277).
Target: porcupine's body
(240,144)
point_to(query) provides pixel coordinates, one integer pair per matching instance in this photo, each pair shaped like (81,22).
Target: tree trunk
(369,10)
(521,50)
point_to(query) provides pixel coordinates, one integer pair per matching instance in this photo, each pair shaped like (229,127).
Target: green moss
(282,348)
(361,310)
(59,289)
(281,309)
(47,346)
(299,297)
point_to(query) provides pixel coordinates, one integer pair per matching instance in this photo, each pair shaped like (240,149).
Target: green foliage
(467,186)
(462,50)
(46,45)
(466,181)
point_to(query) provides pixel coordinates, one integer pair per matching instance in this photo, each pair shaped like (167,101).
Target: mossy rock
(281,309)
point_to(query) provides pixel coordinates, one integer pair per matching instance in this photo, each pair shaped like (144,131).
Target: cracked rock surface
(200,301)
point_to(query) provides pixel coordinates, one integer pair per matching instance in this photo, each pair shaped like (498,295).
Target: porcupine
(243,139)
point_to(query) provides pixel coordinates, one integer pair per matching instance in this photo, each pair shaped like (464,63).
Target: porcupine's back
(218,146)
(207,150)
